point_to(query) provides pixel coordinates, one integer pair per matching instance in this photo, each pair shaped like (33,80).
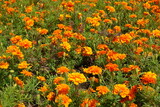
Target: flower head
(62,88)
(102,90)
(76,78)
(62,99)
(148,77)
(93,70)
(62,70)
(121,89)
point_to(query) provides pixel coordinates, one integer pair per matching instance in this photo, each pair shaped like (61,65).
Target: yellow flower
(66,46)
(4,65)
(23,65)
(121,89)
(76,78)
(149,77)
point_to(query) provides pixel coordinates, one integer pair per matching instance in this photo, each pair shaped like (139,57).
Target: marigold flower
(110,8)
(133,16)
(102,90)
(62,70)
(121,89)
(18,81)
(62,89)
(21,105)
(26,73)
(94,70)
(149,77)
(16,39)
(43,89)
(42,31)
(125,38)
(4,65)
(41,78)
(66,46)
(23,65)
(133,105)
(156,33)
(62,99)
(112,67)
(29,22)
(125,69)
(89,103)
(138,50)
(51,96)
(117,29)
(76,78)
(61,54)
(25,44)
(57,80)
(15,51)
(87,51)
(28,9)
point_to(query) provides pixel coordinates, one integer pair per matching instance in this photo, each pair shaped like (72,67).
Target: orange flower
(62,70)
(15,39)
(125,38)
(25,44)
(29,22)
(156,33)
(117,29)
(51,96)
(62,89)
(102,90)
(133,16)
(66,46)
(62,99)
(94,70)
(21,105)
(103,46)
(133,105)
(26,73)
(23,65)
(62,54)
(4,65)
(18,81)
(149,77)
(121,89)
(126,70)
(57,80)
(89,103)
(112,67)
(43,89)
(138,50)
(110,8)
(42,31)
(41,78)
(15,51)
(28,9)
(87,51)
(76,78)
